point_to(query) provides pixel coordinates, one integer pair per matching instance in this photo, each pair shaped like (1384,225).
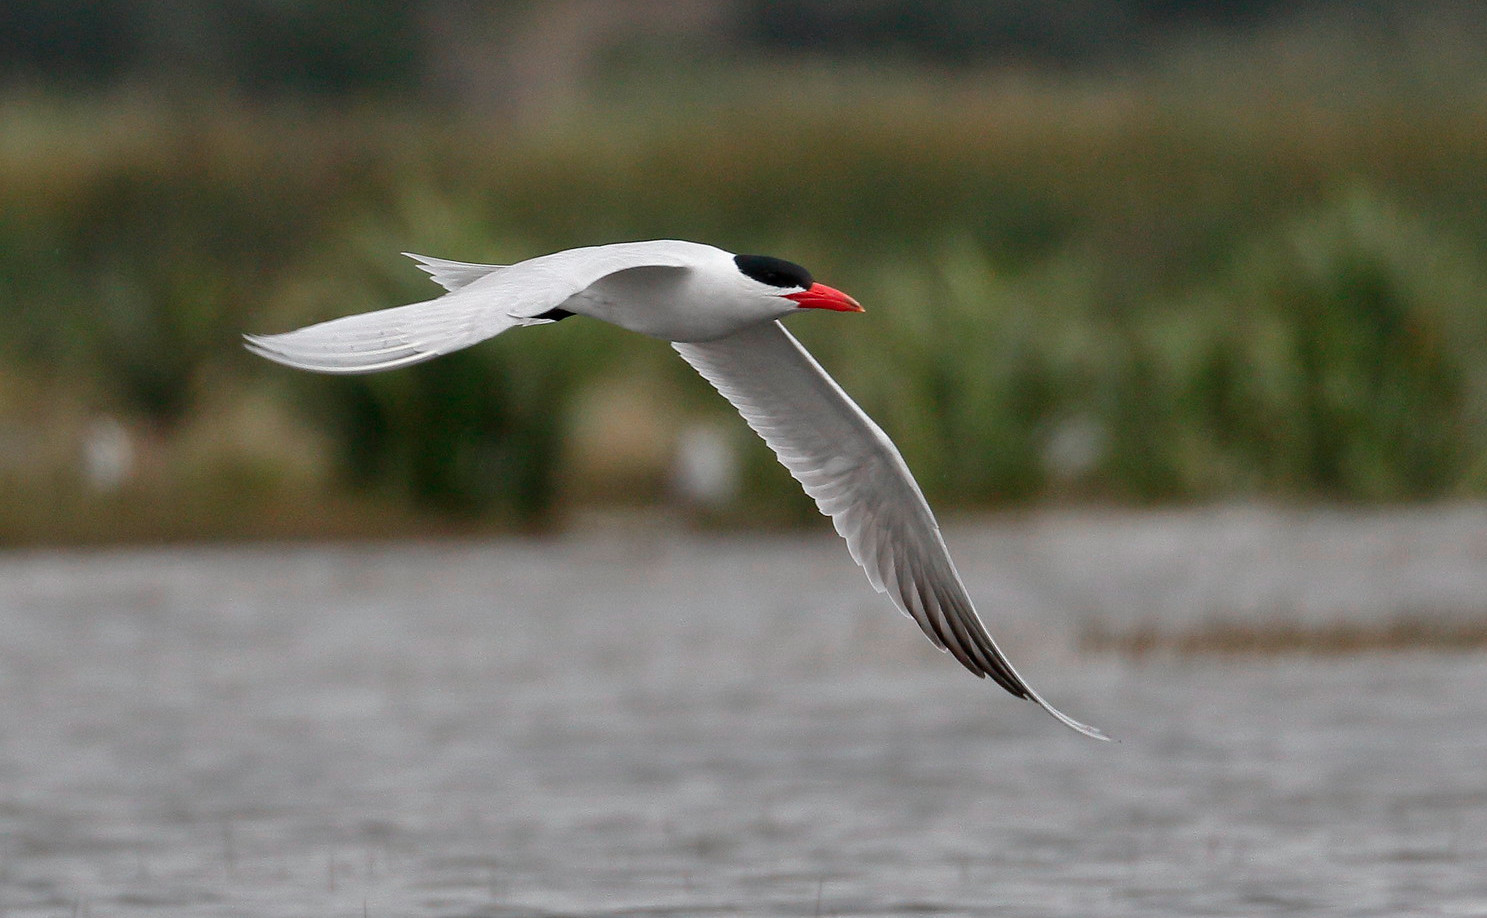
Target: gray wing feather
(482,302)
(385,339)
(858,478)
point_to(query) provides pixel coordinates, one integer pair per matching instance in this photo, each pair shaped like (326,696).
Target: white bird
(721,312)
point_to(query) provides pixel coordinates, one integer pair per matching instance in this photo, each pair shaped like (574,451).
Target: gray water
(642,721)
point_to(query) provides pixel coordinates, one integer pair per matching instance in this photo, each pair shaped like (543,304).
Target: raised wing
(385,339)
(858,478)
(476,308)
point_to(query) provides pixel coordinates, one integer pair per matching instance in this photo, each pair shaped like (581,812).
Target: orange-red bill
(820,296)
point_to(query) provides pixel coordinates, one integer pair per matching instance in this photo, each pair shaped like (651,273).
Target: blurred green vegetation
(1217,282)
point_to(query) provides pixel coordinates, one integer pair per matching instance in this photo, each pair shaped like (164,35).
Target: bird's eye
(776,272)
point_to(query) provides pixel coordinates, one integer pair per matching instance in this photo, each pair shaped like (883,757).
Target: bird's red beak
(820,296)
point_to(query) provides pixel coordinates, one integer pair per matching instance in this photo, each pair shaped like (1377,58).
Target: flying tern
(722,313)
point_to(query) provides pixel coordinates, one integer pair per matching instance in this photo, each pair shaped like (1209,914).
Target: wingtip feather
(282,349)
(1066,720)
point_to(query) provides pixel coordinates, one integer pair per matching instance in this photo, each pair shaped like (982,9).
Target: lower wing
(858,478)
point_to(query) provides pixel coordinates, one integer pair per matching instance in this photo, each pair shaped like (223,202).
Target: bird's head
(786,280)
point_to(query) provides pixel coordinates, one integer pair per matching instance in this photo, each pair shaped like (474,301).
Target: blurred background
(1177,309)
(1114,252)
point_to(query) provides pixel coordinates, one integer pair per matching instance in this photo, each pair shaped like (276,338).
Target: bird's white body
(688,292)
(720,311)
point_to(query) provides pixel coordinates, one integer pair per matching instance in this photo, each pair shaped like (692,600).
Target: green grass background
(1251,274)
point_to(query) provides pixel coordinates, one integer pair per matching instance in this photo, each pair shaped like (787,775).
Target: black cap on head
(777,272)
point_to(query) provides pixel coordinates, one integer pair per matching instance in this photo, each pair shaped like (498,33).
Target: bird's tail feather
(452,275)
(385,339)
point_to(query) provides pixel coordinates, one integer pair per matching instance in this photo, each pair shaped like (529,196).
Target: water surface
(646,722)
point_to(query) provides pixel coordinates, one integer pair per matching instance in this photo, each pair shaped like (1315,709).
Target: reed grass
(1132,289)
